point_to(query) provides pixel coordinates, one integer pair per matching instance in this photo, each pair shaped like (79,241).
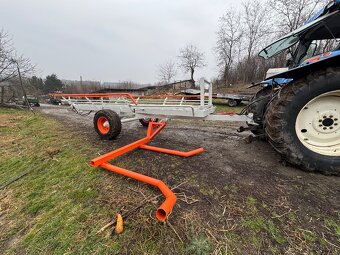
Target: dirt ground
(232,183)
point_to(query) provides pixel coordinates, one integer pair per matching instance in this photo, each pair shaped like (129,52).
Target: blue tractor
(298,108)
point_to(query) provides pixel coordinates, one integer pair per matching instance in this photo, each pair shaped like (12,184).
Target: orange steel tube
(113,154)
(128,95)
(164,210)
(173,96)
(170,199)
(173,152)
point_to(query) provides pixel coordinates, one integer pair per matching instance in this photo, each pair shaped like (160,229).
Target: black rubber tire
(281,115)
(145,122)
(257,107)
(114,121)
(232,103)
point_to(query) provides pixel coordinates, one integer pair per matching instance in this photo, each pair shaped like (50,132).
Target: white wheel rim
(318,124)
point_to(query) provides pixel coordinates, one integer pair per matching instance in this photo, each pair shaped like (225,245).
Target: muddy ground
(230,183)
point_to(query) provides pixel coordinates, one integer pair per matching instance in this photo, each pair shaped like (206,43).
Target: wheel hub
(326,122)
(103,125)
(106,124)
(318,124)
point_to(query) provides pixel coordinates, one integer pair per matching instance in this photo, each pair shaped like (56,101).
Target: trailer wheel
(303,122)
(145,122)
(234,102)
(107,124)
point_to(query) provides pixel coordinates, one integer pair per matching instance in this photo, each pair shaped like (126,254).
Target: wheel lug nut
(335,119)
(330,127)
(320,125)
(320,120)
(331,116)
(324,128)
(325,117)
(335,124)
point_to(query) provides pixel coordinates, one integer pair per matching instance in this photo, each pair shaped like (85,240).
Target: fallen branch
(211,235)
(186,199)
(128,213)
(13,106)
(323,236)
(3,197)
(14,179)
(173,229)
(279,216)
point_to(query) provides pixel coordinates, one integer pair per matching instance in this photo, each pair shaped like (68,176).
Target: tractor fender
(302,71)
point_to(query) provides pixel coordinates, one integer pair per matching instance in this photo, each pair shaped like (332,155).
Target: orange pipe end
(170,198)
(164,210)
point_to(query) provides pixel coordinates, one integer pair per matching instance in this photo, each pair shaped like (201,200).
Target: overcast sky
(111,40)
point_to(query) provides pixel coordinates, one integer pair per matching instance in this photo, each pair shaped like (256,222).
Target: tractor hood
(314,29)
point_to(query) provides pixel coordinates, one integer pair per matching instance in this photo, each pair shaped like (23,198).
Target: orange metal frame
(153,129)
(97,95)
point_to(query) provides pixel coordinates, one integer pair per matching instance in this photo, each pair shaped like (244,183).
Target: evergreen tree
(52,84)
(37,83)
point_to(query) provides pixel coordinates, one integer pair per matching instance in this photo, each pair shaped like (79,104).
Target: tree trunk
(192,77)
(2,94)
(226,74)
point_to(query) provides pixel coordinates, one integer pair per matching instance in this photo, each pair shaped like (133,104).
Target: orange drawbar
(153,129)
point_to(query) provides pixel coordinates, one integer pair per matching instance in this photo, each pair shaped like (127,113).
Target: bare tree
(256,32)
(167,72)
(191,59)
(10,61)
(256,25)
(228,42)
(291,14)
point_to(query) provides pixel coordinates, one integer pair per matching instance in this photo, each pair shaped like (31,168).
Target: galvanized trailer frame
(147,107)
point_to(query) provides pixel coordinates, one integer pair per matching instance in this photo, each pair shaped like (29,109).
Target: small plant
(199,245)
(335,225)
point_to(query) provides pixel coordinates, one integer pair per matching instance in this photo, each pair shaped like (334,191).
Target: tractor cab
(317,40)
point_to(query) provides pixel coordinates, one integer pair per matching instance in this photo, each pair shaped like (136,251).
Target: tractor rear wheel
(303,122)
(257,107)
(107,124)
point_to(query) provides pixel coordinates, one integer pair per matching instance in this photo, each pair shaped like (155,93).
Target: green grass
(258,224)
(263,231)
(333,224)
(222,106)
(57,208)
(51,208)
(199,245)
